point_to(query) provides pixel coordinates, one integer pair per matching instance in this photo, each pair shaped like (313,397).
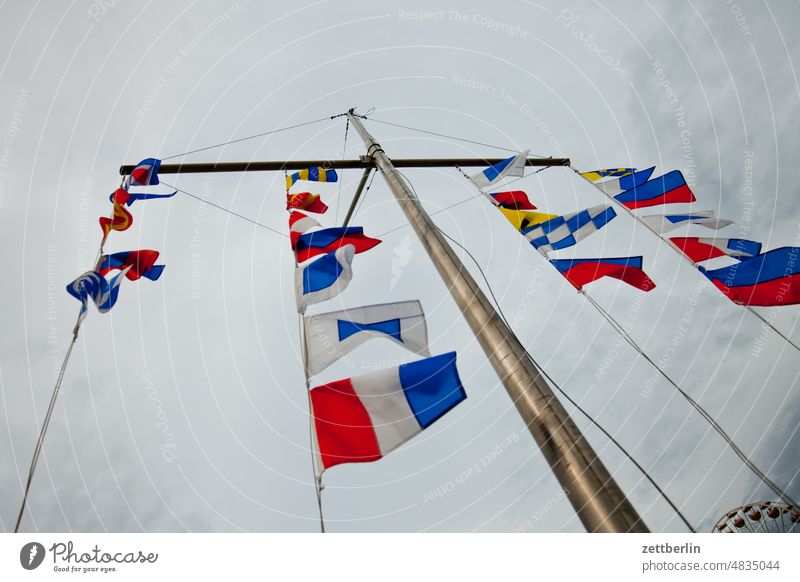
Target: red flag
(305,201)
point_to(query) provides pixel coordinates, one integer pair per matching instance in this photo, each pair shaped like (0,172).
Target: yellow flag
(522,219)
(597,175)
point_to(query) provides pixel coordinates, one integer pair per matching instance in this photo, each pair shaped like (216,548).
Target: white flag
(662,223)
(329,336)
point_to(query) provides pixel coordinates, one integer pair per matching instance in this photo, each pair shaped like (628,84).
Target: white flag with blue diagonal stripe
(564,231)
(513,166)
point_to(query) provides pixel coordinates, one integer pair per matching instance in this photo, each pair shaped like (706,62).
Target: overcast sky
(184,407)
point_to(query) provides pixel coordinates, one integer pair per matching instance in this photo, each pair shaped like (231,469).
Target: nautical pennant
(671,188)
(522,219)
(329,336)
(300,223)
(769,279)
(92,285)
(323,241)
(363,419)
(667,222)
(513,166)
(626,182)
(134,196)
(702,249)
(122,219)
(145,173)
(564,231)
(597,175)
(324,278)
(514,200)
(136,263)
(580,272)
(306,201)
(312,174)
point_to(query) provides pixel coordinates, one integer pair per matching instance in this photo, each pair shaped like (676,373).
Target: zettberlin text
(671,549)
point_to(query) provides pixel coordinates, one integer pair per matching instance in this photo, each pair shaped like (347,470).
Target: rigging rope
(250,220)
(280,129)
(710,419)
(45,424)
(497,147)
(37,451)
(318,487)
(672,245)
(552,382)
(341,178)
(364,195)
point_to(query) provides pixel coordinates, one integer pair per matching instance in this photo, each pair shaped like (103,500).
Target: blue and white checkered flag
(564,231)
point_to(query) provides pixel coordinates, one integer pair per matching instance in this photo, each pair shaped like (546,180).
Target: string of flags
(763,279)
(363,418)
(766,279)
(756,279)
(551,232)
(132,265)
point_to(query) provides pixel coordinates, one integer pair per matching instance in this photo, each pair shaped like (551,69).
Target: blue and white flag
(329,336)
(662,223)
(564,231)
(513,166)
(324,278)
(625,183)
(92,285)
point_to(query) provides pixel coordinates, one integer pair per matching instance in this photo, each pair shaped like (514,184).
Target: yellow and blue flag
(597,175)
(522,219)
(312,174)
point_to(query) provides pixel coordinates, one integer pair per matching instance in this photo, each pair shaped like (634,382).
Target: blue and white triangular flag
(329,336)
(513,166)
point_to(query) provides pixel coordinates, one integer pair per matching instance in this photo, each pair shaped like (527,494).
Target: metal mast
(593,492)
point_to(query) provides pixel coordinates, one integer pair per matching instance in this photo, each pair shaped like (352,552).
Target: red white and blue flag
(362,419)
(145,173)
(300,223)
(580,272)
(326,240)
(671,188)
(768,280)
(138,264)
(700,249)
